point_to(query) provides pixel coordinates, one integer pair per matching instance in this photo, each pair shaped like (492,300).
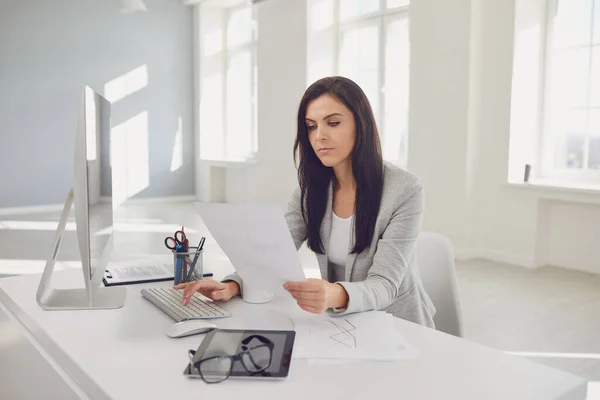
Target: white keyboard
(168,300)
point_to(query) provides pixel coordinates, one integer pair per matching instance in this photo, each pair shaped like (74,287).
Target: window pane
(239,141)
(395,138)
(319,67)
(397,52)
(594,131)
(212,42)
(239,27)
(594,122)
(569,151)
(569,140)
(595,78)
(573,22)
(211,121)
(594,158)
(321,15)
(397,3)
(359,61)
(570,78)
(354,8)
(320,57)
(597,22)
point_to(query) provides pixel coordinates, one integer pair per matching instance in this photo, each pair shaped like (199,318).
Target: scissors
(178,239)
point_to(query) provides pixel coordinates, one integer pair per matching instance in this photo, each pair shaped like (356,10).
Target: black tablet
(233,353)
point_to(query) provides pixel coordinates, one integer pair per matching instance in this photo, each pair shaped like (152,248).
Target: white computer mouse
(189,327)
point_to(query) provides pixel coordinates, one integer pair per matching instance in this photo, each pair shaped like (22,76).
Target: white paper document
(360,336)
(151,269)
(257,241)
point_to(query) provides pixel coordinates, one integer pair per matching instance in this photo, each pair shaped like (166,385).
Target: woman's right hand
(210,288)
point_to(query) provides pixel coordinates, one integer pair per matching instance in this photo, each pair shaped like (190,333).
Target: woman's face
(331,130)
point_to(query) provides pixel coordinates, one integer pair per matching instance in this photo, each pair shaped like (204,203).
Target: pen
(185,242)
(205,275)
(185,249)
(189,275)
(193,264)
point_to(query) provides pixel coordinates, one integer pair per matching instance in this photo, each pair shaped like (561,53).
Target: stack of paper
(148,269)
(361,336)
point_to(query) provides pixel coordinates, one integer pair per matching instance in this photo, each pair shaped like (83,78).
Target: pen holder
(187,266)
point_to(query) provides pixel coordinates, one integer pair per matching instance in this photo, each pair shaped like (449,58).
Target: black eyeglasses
(254,357)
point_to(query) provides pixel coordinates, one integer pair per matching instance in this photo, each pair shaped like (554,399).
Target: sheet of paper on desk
(138,269)
(257,241)
(361,336)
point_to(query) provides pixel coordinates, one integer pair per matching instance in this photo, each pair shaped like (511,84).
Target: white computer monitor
(93,216)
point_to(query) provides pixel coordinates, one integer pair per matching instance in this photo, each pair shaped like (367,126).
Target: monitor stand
(92,296)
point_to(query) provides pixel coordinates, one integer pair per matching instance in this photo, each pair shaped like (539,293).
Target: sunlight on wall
(129,156)
(126,84)
(177,155)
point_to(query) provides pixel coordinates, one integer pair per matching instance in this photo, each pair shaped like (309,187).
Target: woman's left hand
(317,295)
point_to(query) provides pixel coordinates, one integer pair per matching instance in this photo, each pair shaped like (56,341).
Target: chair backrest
(435,258)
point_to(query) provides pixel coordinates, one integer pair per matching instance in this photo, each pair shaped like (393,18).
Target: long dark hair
(367,164)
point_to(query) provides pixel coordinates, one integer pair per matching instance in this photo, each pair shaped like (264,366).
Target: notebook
(142,271)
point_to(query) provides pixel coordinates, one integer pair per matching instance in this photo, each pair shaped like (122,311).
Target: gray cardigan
(385,275)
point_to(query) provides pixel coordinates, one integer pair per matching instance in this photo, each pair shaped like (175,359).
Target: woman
(359,215)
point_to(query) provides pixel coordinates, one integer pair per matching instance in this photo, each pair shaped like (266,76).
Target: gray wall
(49,49)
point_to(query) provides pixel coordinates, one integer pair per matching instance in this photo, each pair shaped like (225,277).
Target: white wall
(49,50)
(281,55)
(506,220)
(439,102)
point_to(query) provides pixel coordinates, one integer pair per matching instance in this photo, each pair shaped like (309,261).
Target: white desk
(124,354)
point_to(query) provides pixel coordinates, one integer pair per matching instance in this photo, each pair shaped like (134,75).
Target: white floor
(549,315)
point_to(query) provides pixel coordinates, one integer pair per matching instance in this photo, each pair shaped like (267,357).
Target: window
(570,135)
(369,41)
(228,126)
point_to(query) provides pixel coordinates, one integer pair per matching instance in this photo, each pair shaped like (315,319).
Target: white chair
(435,258)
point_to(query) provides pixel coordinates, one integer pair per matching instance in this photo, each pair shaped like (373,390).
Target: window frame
(225,54)
(230,52)
(381,19)
(545,138)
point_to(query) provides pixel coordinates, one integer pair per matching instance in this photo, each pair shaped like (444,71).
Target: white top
(339,243)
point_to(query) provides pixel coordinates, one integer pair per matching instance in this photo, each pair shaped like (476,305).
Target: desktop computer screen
(92,197)
(93,181)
